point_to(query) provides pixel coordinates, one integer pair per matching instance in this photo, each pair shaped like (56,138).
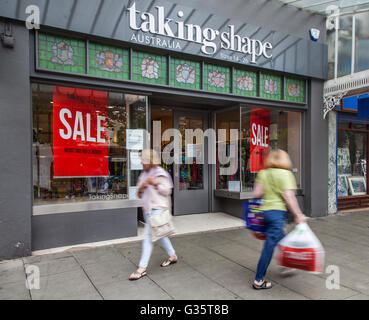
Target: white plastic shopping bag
(301,249)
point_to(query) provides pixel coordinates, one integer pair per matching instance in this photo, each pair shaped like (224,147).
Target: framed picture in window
(357,185)
(342,185)
(343,161)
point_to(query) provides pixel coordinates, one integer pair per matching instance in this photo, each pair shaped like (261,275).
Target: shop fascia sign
(157,24)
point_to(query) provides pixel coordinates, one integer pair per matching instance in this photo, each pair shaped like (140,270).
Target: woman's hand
(300,219)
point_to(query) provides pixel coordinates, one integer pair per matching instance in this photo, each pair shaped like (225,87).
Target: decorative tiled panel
(185,74)
(270,86)
(217,79)
(61,54)
(147,67)
(294,90)
(109,62)
(244,83)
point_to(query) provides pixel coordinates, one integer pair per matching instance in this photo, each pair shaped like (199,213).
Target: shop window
(217,79)
(294,90)
(352,151)
(270,86)
(245,83)
(61,54)
(331,41)
(344,46)
(185,73)
(80,143)
(263,130)
(108,62)
(260,130)
(227,121)
(147,67)
(362,42)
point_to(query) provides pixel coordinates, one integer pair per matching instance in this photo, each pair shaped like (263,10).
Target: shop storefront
(93,95)
(352,153)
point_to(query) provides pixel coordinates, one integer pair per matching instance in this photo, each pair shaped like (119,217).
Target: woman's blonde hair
(278,159)
(150,156)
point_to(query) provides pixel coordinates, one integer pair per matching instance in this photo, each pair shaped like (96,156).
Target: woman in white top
(154,189)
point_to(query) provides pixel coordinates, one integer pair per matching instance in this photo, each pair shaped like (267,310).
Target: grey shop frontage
(80,95)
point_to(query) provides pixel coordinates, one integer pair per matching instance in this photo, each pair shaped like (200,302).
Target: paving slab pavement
(212,266)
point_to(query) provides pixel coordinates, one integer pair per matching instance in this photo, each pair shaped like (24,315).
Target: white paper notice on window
(135,139)
(135,160)
(132,193)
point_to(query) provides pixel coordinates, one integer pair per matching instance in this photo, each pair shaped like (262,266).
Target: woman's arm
(258,190)
(162,185)
(292,204)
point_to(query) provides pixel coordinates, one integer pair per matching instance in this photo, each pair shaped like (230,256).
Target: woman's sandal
(138,274)
(262,286)
(168,262)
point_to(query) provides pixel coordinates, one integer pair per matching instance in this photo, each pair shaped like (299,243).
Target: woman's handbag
(161,225)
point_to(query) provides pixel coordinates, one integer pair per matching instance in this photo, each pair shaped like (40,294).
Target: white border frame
(351,188)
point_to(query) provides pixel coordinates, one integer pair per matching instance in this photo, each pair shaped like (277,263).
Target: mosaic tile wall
(245,83)
(58,53)
(294,90)
(217,79)
(185,73)
(61,54)
(109,62)
(270,86)
(148,67)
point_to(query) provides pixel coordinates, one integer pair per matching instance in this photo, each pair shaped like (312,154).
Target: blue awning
(363,106)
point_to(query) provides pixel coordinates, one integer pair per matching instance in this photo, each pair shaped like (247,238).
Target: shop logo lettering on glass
(271,86)
(150,68)
(109,61)
(185,74)
(62,53)
(217,79)
(245,83)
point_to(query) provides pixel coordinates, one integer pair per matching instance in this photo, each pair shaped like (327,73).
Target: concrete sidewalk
(212,265)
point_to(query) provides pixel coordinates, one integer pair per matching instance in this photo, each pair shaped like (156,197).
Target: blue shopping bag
(254,216)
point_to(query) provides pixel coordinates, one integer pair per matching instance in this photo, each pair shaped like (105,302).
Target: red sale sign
(259,142)
(80,133)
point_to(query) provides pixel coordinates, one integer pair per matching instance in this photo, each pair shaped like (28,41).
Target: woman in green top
(277,185)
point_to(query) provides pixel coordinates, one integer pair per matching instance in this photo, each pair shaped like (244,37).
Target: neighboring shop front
(346,95)
(352,129)
(96,93)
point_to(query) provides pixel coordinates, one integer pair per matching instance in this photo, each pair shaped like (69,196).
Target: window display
(228,120)
(351,159)
(263,130)
(79,143)
(260,130)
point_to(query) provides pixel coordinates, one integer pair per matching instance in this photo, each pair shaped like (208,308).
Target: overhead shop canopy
(327,7)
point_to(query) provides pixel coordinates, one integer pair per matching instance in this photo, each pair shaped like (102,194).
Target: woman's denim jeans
(147,244)
(274,222)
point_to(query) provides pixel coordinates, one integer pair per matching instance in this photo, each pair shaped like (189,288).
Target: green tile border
(185,73)
(129,64)
(59,53)
(294,90)
(148,67)
(270,86)
(108,61)
(245,83)
(216,78)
